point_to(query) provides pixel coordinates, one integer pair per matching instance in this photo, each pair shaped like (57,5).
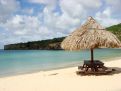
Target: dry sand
(64,80)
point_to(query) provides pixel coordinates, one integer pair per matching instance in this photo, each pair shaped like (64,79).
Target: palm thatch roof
(90,35)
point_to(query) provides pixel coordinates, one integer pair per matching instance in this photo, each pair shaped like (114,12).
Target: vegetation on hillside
(50,44)
(116,29)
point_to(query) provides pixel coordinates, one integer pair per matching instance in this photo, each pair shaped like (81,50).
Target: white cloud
(79,8)
(115,5)
(73,12)
(22,24)
(23,28)
(7,7)
(28,11)
(50,4)
(47,2)
(38,1)
(54,21)
(105,18)
(104,14)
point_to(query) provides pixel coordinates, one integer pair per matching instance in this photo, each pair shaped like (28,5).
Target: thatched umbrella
(89,36)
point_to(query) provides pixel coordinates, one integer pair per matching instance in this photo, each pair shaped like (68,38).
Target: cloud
(59,23)
(23,28)
(20,28)
(106,18)
(39,1)
(50,4)
(70,18)
(115,5)
(22,24)
(79,8)
(29,11)
(7,7)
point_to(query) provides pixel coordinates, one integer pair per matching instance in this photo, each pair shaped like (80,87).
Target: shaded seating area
(91,35)
(96,67)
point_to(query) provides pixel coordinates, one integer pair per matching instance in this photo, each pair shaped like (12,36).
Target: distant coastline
(50,44)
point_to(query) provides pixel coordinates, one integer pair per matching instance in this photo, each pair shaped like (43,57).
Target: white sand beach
(64,80)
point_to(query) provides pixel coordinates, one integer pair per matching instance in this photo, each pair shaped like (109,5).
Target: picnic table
(94,66)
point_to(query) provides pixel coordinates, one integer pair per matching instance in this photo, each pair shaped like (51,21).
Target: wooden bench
(93,66)
(96,68)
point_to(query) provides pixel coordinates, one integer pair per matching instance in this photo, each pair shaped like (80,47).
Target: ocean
(14,62)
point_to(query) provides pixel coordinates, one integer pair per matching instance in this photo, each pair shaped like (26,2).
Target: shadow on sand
(113,71)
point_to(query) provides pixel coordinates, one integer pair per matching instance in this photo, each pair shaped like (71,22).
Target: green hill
(116,29)
(50,44)
(53,44)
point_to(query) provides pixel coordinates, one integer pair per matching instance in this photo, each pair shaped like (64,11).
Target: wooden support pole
(92,58)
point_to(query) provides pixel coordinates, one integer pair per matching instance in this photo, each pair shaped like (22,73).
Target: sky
(32,20)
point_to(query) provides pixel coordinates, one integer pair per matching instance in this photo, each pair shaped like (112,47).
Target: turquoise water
(23,61)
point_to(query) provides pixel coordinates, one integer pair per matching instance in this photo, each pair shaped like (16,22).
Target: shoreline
(53,69)
(64,79)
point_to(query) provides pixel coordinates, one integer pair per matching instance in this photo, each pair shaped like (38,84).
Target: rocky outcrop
(55,46)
